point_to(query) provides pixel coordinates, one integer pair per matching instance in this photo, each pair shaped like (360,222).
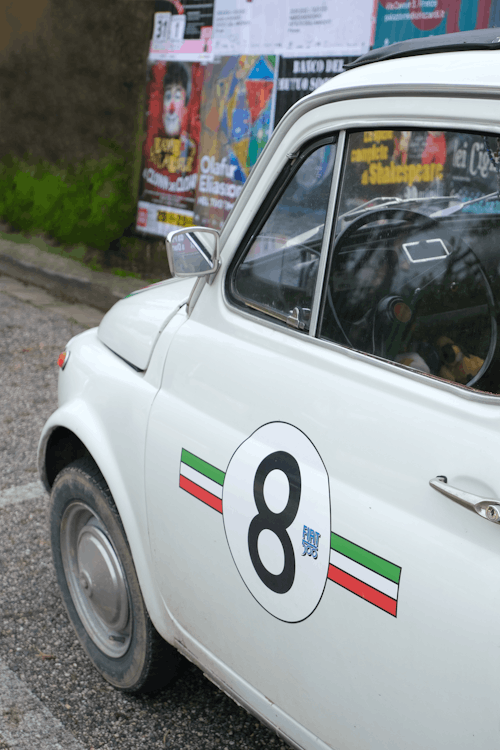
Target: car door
(298,545)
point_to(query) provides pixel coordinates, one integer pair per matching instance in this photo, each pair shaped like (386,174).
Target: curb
(70,287)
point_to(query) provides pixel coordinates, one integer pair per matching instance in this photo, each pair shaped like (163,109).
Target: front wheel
(99,586)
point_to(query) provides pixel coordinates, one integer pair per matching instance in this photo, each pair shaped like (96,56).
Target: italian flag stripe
(363,574)
(216,475)
(201,480)
(206,497)
(367,559)
(361,589)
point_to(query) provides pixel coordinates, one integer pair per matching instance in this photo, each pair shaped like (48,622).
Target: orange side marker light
(62,360)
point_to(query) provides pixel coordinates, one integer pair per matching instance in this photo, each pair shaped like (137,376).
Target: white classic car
(268,463)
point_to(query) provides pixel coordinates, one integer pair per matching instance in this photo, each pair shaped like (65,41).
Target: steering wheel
(392,315)
(345,238)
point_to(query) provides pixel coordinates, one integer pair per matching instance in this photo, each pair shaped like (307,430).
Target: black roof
(462,40)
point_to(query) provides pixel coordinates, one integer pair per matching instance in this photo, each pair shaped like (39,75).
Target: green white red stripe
(367,575)
(201,479)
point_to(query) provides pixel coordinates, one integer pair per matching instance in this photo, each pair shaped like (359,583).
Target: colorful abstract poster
(397,20)
(171,147)
(299,76)
(182,30)
(235,112)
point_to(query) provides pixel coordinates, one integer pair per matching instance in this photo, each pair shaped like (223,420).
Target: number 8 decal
(276,509)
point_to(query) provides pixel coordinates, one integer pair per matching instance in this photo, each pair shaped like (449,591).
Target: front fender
(104,412)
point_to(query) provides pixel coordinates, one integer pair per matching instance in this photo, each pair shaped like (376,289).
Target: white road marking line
(25,723)
(22,492)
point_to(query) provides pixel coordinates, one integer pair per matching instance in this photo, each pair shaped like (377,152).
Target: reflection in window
(413,274)
(277,275)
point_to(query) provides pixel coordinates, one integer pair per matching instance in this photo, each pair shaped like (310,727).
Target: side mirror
(193,252)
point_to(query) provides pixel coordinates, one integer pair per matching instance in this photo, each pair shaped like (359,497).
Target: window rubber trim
(330,223)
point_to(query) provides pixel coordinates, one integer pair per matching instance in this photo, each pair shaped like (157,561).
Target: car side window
(413,274)
(275,277)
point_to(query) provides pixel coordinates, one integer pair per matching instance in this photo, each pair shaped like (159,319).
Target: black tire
(106,609)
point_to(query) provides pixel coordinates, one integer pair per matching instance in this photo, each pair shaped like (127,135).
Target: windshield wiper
(379,202)
(385,201)
(458,206)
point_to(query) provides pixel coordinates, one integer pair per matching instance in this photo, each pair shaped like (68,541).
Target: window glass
(414,271)
(277,274)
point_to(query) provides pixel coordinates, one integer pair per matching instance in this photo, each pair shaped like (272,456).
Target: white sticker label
(161,31)
(276,509)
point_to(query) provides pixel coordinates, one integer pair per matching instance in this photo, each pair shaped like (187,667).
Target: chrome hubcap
(96,580)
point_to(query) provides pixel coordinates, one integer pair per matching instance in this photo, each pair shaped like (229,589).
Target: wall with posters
(397,20)
(222,73)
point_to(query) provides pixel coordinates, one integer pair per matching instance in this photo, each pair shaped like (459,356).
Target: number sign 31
(276,509)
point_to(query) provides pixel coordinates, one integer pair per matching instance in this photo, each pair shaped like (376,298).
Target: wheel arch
(65,438)
(60,448)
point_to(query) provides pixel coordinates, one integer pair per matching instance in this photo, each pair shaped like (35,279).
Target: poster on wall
(331,27)
(236,116)
(249,28)
(408,164)
(292,27)
(419,164)
(300,76)
(182,30)
(397,20)
(171,148)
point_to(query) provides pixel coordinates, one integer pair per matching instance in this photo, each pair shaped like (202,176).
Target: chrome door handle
(483,506)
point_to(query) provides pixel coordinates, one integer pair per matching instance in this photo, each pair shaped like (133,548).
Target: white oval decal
(276,509)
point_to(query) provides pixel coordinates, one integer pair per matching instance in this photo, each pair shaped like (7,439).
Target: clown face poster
(236,116)
(170,153)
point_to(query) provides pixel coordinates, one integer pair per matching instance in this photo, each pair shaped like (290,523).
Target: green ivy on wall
(89,202)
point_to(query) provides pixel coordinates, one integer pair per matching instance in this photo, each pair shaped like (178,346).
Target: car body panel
(213,398)
(132,326)
(105,404)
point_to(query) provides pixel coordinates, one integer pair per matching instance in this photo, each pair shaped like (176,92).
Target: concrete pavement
(63,277)
(85,315)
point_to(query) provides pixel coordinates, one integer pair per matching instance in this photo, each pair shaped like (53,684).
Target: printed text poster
(332,27)
(419,164)
(182,30)
(397,20)
(300,76)
(249,28)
